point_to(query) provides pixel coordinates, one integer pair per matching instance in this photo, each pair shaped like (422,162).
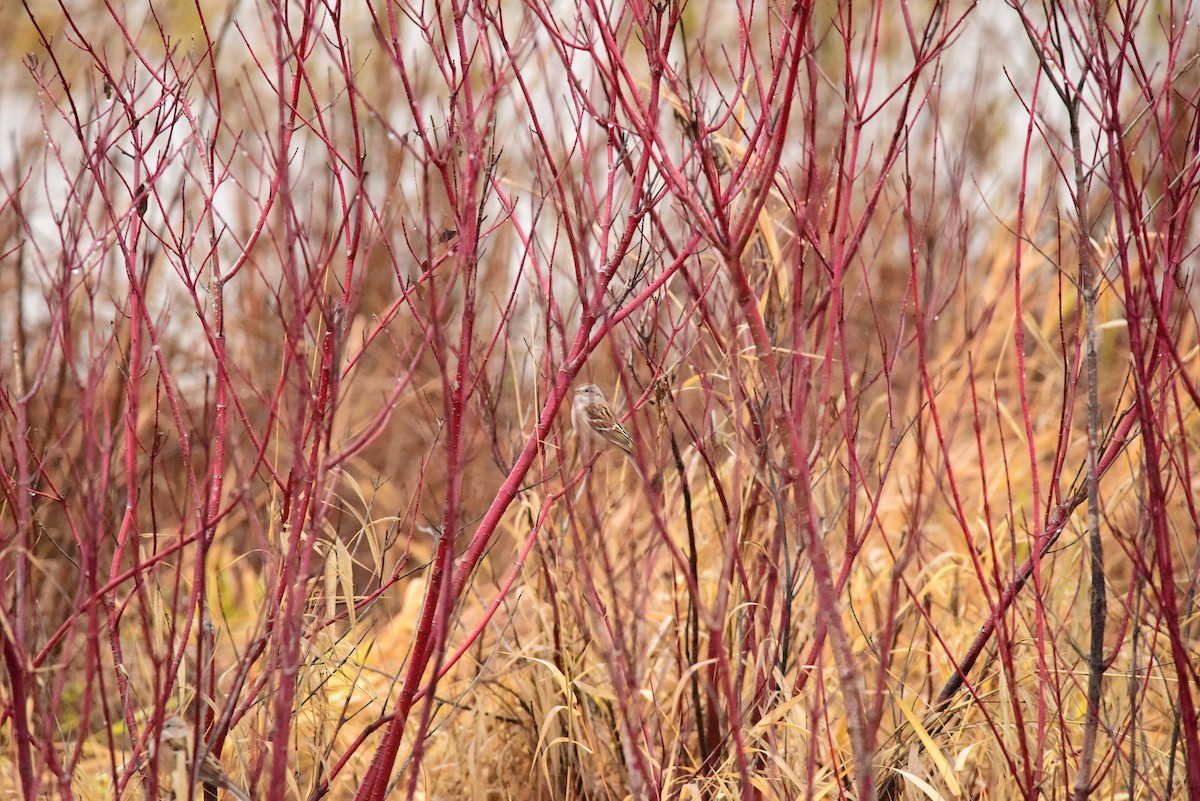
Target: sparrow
(594,421)
(175,750)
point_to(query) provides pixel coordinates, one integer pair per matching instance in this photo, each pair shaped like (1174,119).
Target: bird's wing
(605,423)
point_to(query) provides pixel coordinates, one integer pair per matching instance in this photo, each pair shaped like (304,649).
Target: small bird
(175,761)
(594,421)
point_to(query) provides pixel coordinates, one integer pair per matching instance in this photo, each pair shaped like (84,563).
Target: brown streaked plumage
(175,759)
(594,421)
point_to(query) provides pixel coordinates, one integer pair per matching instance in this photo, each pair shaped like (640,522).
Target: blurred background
(896,300)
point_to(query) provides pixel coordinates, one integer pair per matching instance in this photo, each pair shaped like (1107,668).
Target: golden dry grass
(605,673)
